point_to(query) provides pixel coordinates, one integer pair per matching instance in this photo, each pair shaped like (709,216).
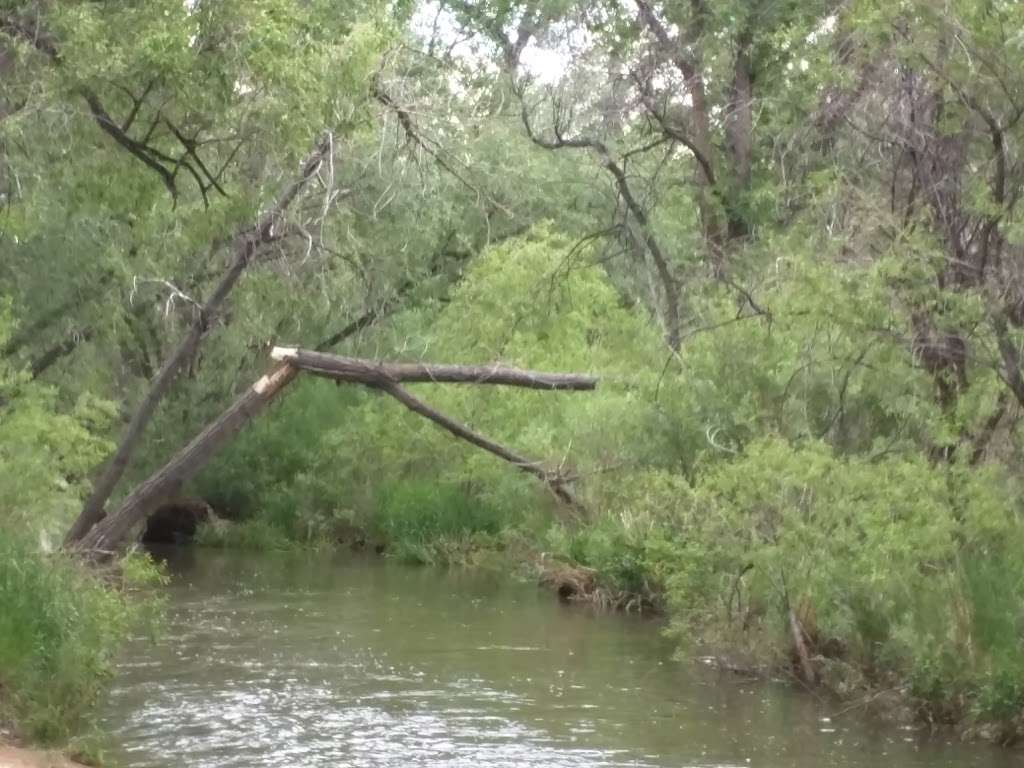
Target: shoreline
(12,756)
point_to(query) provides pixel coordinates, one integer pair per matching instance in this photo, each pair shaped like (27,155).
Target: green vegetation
(785,235)
(60,627)
(60,623)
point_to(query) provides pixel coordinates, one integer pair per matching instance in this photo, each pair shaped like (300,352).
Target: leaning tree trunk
(110,532)
(247,244)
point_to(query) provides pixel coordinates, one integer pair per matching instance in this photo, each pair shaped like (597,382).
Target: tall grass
(60,627)
(427,522)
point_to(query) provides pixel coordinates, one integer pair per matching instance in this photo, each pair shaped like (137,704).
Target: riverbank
(12,756)
(62,624)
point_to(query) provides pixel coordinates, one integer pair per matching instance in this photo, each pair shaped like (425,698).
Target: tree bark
(800,646)
(379,374)
(247,243)
(109,533)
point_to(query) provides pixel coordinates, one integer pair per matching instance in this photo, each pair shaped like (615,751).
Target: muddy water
(328,661)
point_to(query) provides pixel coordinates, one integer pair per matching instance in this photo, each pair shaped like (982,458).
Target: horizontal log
(381,374)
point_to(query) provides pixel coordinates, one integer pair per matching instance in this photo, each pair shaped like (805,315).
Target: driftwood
(379,374)
(109,533)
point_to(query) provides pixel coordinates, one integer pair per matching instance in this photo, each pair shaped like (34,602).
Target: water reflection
(329,661)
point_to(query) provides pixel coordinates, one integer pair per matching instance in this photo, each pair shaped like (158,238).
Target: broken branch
(554,480)
(379,374)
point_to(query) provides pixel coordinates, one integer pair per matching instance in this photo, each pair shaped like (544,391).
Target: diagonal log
(557,482)
(109,533)
(379,374)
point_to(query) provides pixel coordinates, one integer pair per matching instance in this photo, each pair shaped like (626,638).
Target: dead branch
(380,374)
(557,482)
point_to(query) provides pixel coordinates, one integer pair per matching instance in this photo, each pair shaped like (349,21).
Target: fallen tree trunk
(379,374)
(109,533)
(247,244)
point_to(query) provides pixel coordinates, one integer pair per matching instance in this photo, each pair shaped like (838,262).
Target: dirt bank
(16,757)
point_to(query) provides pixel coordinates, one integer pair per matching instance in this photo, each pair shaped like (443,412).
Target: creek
(331,660)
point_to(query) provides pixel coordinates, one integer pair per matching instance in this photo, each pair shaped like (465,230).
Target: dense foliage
(784,234)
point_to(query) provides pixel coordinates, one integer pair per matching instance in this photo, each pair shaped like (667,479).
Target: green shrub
(607,546)
(898,567)
(428,522)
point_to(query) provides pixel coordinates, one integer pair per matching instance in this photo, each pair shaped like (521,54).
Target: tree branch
(555,480)
(380,374)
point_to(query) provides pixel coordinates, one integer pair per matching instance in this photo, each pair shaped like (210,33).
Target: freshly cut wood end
(280,353)
(262,385)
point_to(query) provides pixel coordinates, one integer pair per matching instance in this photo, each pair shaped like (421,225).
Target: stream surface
(273,660)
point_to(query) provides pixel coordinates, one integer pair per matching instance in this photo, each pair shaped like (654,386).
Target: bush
(426,522)
(900,569)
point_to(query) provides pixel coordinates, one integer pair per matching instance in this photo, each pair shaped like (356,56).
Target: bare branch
(362,371)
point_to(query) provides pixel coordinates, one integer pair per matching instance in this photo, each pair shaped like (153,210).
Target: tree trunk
(247,243)
(373,373)
(740,130)
(800,646)
(109,533)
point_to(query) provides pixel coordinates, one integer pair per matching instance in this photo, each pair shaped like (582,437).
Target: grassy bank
(61,625)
